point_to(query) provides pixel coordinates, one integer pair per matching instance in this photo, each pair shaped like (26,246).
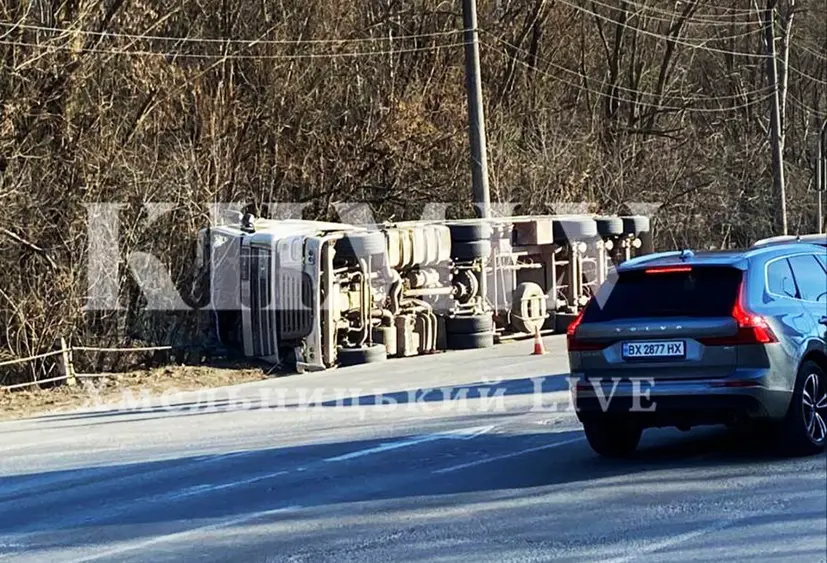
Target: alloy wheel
(814,407)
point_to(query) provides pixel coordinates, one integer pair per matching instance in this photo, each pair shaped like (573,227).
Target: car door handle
(823,320)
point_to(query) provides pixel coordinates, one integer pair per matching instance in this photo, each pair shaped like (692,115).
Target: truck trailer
(317,295)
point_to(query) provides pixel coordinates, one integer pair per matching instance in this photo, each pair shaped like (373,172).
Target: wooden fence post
(65,365)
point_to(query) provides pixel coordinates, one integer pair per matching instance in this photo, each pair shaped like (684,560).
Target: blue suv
(725,337)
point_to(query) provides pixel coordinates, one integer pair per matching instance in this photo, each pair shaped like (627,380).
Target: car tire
(573,229)
(635,225)
(470,341)
(804,429)
(470,232)
(364,355)
(612,437)
(471,250)
(609,226)
(469,325)
(362,245)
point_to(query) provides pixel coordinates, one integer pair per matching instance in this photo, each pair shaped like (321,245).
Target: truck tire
(635,224)
(362,245)
(613,437)
(609,226)
(470,232)
(573,229)
(523,318)
(471,250)
(469,325)
(365,355)
(470,341)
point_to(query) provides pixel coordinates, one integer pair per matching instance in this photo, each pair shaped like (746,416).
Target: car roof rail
(815,238)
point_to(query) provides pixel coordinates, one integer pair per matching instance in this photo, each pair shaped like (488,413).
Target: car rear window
(705,291)
(809,275)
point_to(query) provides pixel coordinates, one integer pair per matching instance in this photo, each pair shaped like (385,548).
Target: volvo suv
(726,337)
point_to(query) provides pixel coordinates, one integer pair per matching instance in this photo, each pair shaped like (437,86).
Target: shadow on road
(268,398)
(167,492)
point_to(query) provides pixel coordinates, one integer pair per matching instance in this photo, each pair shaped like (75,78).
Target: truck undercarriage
(317,295)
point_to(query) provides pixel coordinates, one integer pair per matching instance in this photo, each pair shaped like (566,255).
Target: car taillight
(575,345)
(668,269)
(752,328)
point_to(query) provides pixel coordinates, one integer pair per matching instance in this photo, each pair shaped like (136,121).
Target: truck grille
(295,313)
(262,315)
(289,316)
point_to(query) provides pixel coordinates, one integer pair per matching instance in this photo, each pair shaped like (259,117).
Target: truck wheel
(470,232)
(471,250)
(612,436)
(469,325)
(528,307)
(365,355)
(362,245)
(470,341)
(804,429)
(609,226)
(573,228)
(635,224)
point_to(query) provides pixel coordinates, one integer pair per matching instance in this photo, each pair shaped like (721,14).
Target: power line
(807,76)
(142,37)
(767,91)
(801,105)
(810,51)
(675,40)
(730,11)
(232,56)
(715,20)
(631,91)
(634,92)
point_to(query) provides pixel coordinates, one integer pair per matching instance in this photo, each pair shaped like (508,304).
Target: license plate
(664,349)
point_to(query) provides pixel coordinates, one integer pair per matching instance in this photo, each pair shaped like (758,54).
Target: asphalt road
(444,458)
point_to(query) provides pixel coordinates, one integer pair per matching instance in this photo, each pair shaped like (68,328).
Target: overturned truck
(315,295)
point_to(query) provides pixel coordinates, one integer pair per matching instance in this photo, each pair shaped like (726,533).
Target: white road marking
(506,456)
(177,536)
(212,488)
(462,434)
(189,491)
(675,540)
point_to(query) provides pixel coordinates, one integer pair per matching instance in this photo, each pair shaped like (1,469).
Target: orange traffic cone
(539,348)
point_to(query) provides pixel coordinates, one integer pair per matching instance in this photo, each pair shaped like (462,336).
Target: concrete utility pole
(821,176)
(776,127)
(476,117)
(819,188)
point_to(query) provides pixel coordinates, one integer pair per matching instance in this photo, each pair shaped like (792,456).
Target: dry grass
(33,402)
